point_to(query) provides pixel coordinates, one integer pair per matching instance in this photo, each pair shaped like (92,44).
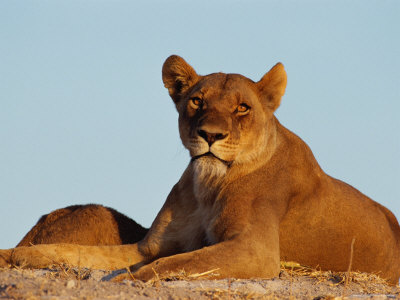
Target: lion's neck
(208,176)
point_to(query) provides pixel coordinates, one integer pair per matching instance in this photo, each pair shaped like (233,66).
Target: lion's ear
(178,76)
(272,86)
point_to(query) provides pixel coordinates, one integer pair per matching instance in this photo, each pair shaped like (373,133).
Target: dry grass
(180,275)
(67,273)
(370,283)
(345,282)
(301,279)
(366,280)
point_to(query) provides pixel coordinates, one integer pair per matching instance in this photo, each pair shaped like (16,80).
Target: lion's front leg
(95,257)
(238,258)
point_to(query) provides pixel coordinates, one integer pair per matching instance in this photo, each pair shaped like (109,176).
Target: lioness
(252,195)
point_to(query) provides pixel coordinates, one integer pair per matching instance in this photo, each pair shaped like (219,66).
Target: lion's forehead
(228,88)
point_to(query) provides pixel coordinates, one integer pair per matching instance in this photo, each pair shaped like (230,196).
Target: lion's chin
(209,167)
(209,156)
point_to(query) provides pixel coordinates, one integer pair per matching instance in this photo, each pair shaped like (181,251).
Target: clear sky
(84,116)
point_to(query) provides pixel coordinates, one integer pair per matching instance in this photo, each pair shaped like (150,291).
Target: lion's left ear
(272,86)
(178,76)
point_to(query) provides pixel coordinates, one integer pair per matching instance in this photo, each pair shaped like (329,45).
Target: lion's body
(319,226)
(252,194)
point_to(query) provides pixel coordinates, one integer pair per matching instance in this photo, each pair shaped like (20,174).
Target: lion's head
(224,119)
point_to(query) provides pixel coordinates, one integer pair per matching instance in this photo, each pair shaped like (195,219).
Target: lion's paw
(27,257)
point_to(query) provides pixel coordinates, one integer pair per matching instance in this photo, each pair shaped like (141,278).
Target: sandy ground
(65,283)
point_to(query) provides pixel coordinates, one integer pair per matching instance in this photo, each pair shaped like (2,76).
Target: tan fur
(252,195)
(84,225)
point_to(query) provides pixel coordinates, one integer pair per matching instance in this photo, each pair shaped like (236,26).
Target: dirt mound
(299,283)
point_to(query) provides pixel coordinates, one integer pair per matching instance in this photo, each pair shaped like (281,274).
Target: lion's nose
(211,137)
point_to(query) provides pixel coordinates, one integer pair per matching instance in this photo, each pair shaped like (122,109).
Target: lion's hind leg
(5,257)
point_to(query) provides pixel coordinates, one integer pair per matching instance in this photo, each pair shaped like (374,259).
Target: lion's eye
(243,108)
(196,103)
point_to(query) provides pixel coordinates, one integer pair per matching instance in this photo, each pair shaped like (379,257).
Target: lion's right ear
(178,76)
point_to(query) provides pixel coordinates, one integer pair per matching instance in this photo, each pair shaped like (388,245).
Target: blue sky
(84,116)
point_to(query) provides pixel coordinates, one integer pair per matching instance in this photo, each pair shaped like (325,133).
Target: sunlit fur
(208,174)
(253,194)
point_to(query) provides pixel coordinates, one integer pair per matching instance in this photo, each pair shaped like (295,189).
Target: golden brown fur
(251,195)
(90,224)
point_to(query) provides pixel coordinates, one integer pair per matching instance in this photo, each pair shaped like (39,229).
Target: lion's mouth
(212,155)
